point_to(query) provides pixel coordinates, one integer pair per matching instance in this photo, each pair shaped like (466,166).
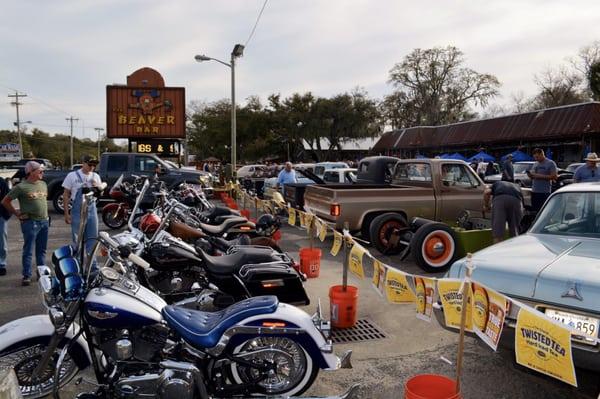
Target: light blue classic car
(554,267)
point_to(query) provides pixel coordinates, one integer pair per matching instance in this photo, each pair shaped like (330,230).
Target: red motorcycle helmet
(149,223)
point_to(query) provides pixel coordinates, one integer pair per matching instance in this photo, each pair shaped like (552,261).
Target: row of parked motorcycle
(191,300)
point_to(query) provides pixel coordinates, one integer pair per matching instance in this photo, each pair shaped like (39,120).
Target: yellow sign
(544,345)
(355,263)
(323,231)
(489,312)
(424,292)
(291,216)
(337,243)
(397,289)
(379,271)
(302,218)
(452,299)
(308,218)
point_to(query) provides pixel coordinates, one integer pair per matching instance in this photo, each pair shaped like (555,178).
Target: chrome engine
(170,383)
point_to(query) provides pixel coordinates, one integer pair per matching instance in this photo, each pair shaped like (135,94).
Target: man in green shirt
(32,194)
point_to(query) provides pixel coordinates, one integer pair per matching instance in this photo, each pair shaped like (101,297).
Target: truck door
(459,190)
(116,165)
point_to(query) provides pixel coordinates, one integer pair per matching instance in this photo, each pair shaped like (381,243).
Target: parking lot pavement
(381,366)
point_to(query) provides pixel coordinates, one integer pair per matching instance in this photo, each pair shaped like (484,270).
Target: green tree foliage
(594,80)
(433,87)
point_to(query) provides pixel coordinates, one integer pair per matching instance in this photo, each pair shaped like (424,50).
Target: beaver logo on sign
(147,101)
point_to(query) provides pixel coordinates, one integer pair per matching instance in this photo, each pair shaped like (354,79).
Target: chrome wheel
(288,369)
(24,361)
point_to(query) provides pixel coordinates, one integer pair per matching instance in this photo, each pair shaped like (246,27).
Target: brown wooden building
(567,131)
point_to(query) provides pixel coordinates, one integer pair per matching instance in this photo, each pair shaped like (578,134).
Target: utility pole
(71,119)
(16,103)
(98,130)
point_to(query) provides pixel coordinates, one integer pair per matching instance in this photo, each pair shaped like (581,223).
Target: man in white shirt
(74,185)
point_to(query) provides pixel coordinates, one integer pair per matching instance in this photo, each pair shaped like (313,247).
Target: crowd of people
(32,213)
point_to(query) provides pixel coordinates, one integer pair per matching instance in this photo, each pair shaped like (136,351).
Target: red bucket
(430,386)
(232,204)
(310,261)
(343,305)
(277,236)
(245,213)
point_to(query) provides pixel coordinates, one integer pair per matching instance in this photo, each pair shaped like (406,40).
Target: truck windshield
(573,214)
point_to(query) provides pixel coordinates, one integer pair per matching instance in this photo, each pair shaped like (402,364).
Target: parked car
(248,170)
(294,193)
(522,179)
(435,189)
(321,167)
(553,267)
(574,166)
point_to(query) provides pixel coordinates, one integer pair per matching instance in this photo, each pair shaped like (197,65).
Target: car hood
(550,269)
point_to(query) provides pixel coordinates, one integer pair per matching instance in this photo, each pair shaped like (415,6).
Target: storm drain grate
(364,330)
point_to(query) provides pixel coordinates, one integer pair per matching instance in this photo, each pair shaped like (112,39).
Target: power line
(256,23)
(16,103)
(71,119)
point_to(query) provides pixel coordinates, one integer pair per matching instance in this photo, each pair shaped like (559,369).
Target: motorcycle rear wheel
(294,370)
(24,359)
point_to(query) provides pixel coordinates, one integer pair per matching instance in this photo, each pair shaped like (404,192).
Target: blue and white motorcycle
(140,347)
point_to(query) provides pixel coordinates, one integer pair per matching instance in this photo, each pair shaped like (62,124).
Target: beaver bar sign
(145,108)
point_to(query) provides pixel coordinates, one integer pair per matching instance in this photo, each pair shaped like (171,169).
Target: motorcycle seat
(229,264)
(204,329)
(223,227)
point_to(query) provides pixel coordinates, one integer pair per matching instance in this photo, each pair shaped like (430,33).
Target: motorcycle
(140,347)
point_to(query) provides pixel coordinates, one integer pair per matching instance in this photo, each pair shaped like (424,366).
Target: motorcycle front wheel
(25,358)
(292,370)
(115,219)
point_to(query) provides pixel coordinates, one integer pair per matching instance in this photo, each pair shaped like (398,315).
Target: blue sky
(63,53)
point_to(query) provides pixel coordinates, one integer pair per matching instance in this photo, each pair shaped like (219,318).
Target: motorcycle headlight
(57,316)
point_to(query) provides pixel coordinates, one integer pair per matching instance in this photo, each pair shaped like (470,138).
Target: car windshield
(572,214)
(522,167)
(573,167)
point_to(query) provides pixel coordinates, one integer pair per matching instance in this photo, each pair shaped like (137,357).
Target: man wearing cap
(32,194)
(588,172)
(74,185)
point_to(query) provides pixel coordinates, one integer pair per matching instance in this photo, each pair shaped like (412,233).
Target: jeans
(34,232)
(91,229)
(3,241)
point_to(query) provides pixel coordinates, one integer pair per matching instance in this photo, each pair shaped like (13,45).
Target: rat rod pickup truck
(435,189)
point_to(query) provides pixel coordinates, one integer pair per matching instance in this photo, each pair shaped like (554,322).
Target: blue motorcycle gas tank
(129,306)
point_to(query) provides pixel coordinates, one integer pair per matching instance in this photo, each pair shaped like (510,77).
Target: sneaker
(26,281)
(2,271)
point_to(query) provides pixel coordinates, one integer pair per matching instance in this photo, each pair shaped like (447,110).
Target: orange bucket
(430,386)
(343,305)
(245,213)
(232,204)
(277,236)
(310,261)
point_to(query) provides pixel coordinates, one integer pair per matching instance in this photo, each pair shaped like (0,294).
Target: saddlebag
(275,278)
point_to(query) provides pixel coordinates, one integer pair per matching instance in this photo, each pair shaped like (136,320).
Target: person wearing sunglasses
(32,194)
(588,172)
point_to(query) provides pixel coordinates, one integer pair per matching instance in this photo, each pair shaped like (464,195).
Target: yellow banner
(397,289)
(489,312)
(323,231)
(424,292)
(308,218)
(302,216)
(379,271)
(452,299)
(337,243)
(544,345)
(291,216)
(355,263)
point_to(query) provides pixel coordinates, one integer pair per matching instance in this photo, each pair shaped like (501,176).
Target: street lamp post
(238,51)
(98,130)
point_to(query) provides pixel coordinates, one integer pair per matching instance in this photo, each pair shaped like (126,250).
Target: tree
(594,80)
(558,87)
(433,88)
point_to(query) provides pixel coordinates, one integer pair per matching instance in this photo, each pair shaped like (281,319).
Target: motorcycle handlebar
(131,257)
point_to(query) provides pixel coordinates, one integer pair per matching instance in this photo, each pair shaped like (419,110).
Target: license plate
(587,326)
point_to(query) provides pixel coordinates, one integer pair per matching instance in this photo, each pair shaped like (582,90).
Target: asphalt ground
(382,367)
